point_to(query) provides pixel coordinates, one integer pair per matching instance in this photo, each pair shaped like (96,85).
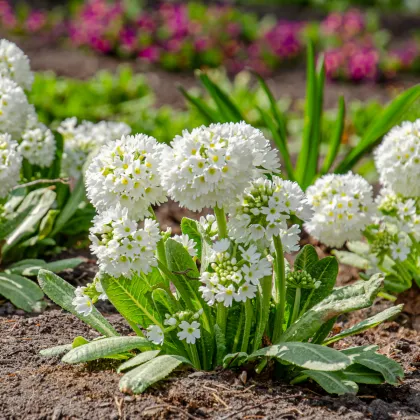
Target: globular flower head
(14,64)
(397,159)
(343,206)
(264,207)
(123,247)
(211,165)
(233,277)
(301,279)
(10,164)
(14,108)
(125,172)
(84,139)
(38,146)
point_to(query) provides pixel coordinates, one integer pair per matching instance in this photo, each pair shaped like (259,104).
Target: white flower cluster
(211,165)
(125,172)
(263,209)
(122,247)
(397,159)
(10,164)
(343,207)
(209,225)
(233,277)
(14,64)
(188,243)
(38,146)
(84,139)
(86,296)
(14,108)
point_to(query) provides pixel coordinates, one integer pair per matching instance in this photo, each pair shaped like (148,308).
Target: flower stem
(238,331)
(249,312)
(194,356)
(296,305)
(221,317)
(280,289)
(221,222)
(263,303)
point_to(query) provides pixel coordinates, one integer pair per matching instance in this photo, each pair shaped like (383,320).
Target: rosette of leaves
(302,349)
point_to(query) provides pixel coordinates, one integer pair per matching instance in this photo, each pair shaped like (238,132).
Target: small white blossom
(99,288)
(10,164)
(397,159)
(190,332)
(401,250)
(125,173)
(123,248)
(14,108)
(155,334)
(82,303)
(343,207)
(211,165)
(187,243)
(14,64)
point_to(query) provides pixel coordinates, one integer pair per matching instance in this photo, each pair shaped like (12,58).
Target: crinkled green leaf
(333,382)
(234,359)
(350,258)
(363,375)
(56,351)
(306,258)
(138,360)
(191,228)
(31,267)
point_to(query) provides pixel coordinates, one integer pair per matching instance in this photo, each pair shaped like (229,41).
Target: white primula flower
(10,164)
(233,278)
(84,140)
(38,146)
(99,288)
(82,303)
(290,239)
(397,159)
(211,165)
(125,172)
(14,108)
(343,207)
(264,207)
(189,244)
(14,64)
(401,250)
(155,334)
(122,250)
(190,332)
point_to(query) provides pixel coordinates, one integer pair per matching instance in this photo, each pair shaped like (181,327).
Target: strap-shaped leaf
(62,293)
(364,325)
(363,375)
(342,300)
(138,360)
(22,292)
(208,113)
(306,355)
(31,267)
(350,258)
(56,351)
(333,382)
(140,378)
(234,359)
(105,347)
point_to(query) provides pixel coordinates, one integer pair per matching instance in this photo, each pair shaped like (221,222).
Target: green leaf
(380,125)
(138,360)
(366,324)
(79,341)
(220,345)
(306,258)
(62,293)
(363,375)
(234,359)
(99,349)
(349,258)
(390,369)
(306,355)
(132,298)
(208,113)
(56,351)
(22,292)
(140,378)
(191,228)
(323,332)
(342,300)
(358,247)
(31,267)
(333,382)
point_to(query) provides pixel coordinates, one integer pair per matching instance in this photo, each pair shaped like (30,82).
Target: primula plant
(390,224)
(222,293)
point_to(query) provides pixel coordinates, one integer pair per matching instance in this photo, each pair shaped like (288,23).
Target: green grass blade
(207,112)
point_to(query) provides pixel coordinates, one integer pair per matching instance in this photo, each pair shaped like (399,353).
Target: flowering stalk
(296,305)
(280,289)
(249,314)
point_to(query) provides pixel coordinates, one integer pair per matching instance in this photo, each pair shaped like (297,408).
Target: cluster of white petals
(233,277)
(122,247)
(187,324)
(155,334)
(189,244)
(209,166)
(10,164)
(125,172)
(343,206)
(14,64)
(82,303)
(263,209)
(84,139)
(397,159)
(38,146)
(14,108)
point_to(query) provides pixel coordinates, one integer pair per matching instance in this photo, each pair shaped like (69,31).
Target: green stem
(194,356)
(238,331)
(387,296)
(221,317)
(261,365)
(221,222)
(299,379)
(263,303)
(296,305)
(249,312)
(280,289)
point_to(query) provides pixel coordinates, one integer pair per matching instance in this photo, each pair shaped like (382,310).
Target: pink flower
(149,54)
